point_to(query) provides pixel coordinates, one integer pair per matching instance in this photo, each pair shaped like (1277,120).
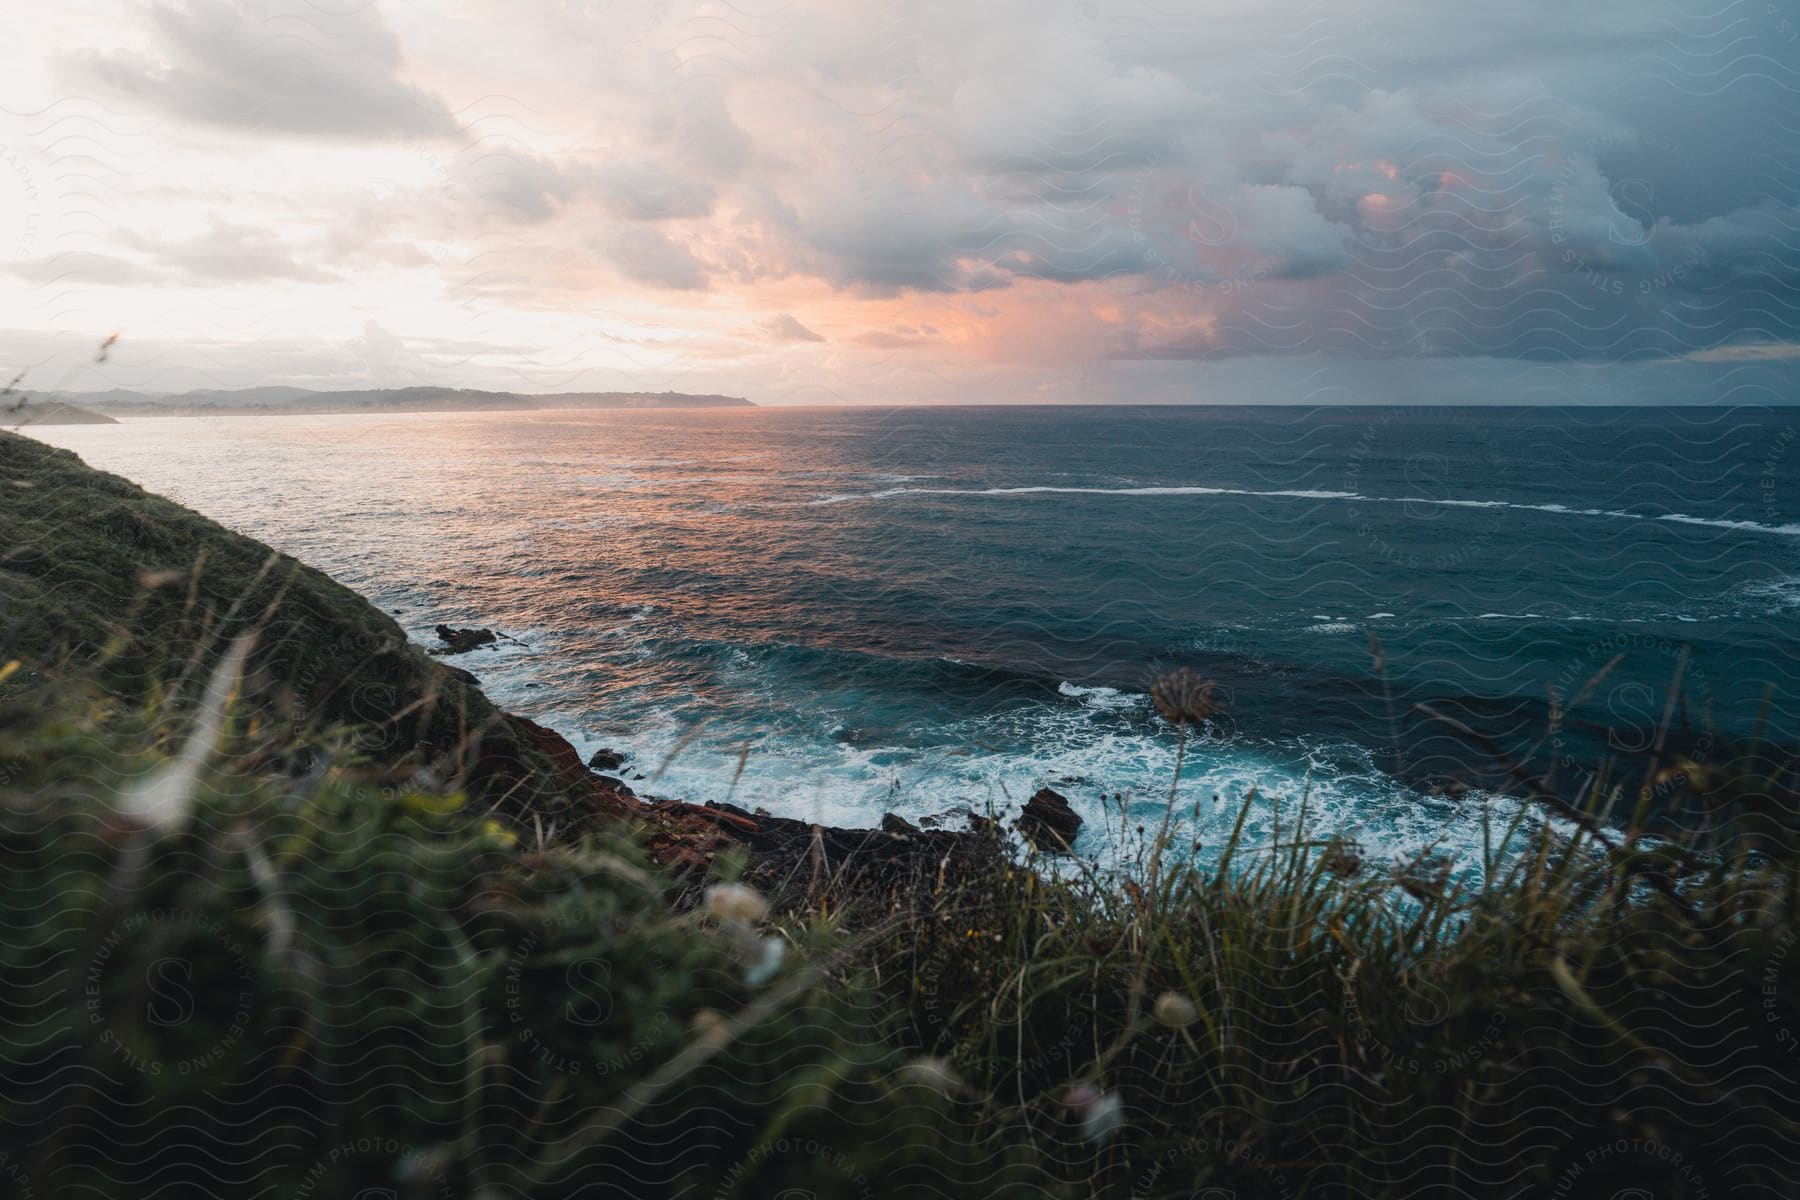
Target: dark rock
(467,677)
(799,863)
(1048,822)
(606,759)
(897,825)
(460,641)
(616,784)
(980,824)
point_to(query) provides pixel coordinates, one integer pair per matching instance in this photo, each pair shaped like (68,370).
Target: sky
(847,203)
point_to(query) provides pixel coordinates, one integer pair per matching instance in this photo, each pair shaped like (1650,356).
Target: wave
(1114,771)
(1036,489)
(1784,530)
(1100,697)
(1781,594)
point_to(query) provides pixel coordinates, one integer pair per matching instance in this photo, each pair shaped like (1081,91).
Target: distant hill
(32,411)
(277,399)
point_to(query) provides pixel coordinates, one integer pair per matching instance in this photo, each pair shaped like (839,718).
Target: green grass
(319,977)
(336,968)
(103,581)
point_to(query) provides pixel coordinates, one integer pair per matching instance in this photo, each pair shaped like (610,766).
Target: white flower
(735,904)
(932,1072)
(1101,1114)
(771,951)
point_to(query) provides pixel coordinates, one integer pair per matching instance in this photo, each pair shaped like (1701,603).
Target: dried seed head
(1175,1010)
(1183,696)
(710,1025)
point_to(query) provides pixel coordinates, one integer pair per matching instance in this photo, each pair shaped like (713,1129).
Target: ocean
(836,613)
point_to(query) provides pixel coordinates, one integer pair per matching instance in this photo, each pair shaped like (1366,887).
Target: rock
(616,784)
(1048,822)
(461,641)
(980,824)
(467,677)
(606,759)
(897,825)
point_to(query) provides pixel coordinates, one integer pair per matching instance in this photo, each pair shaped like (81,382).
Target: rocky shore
(106,586)
(798,863)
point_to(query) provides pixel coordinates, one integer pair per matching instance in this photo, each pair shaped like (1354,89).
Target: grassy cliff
(348,960)
(105,585)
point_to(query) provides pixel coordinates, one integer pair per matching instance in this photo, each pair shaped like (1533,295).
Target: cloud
(903,338)
(782,327)
(513,183)
(644,254)
(1135,185)
(272,67)
(227,253)
(1749,352)
(648,194)
(222,254)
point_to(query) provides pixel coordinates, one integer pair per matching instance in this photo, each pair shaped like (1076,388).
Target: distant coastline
(50,412)
(104,407)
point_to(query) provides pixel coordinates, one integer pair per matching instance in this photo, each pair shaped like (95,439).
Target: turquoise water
(835,613)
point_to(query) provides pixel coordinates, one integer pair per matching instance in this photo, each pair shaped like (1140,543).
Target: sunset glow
(788,204)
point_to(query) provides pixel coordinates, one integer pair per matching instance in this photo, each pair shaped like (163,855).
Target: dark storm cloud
(1404,178)
(1529,181)
(270,66)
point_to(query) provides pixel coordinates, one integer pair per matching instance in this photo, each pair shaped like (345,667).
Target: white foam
(1100,697)
(1309,494)
(1041,489)
(1781,593)
(1755,526)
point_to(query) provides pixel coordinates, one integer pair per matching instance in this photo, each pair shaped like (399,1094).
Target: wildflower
(932,1072)
(1100,1113)
(165,799)
(1183,696)
(709,1025)
(1175,1010)
(769,952)
(735,904)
